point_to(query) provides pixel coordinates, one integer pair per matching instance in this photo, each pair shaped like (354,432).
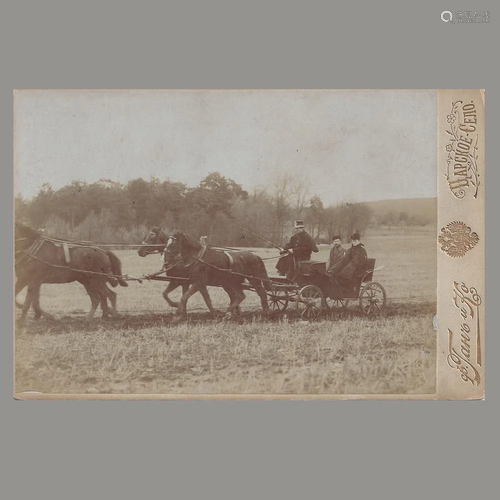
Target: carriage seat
(307,267)
(367,274)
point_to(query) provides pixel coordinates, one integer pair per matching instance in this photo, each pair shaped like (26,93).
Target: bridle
(151,249)
(190,257)
(177,256)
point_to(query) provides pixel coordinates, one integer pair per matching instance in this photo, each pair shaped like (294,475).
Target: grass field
(143,353)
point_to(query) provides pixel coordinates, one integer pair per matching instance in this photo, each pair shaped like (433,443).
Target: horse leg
(104,294)
(263,300)
(232,298)
(36,305)
(182,309)
(112,298)
(33,298)
(208,301)
(27,304)
(39,312)
(103,300)
(239,298)
(94,298)
(259,288)
(170,288)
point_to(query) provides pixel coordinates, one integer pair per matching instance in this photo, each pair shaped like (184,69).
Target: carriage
(310,290)
(312,293)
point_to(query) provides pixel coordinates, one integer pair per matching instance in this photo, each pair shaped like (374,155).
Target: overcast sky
(350,146)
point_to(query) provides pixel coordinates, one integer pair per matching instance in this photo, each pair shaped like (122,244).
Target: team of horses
(199,265)
(196,266)
(40,260)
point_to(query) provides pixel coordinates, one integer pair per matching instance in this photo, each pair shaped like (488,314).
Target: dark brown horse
(217,267)
(157,241)
(41,260)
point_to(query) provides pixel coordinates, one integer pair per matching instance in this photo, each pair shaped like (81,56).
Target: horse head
(179,246)
(157,240)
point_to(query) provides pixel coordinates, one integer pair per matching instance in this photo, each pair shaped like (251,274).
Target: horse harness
(34,249)
(199,257)
(29,252)
(231,259)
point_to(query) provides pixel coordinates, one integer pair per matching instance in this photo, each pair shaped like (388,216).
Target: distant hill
(424,209)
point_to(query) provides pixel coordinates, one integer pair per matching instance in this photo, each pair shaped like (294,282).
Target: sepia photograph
(220,244)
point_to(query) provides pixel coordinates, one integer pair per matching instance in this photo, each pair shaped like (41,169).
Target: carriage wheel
(310,302)
(372,298)
(278,301)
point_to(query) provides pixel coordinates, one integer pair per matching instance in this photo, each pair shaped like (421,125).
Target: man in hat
(337,254)
(299,248)
(353,264)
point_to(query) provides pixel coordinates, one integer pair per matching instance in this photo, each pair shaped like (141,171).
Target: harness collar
(30,252)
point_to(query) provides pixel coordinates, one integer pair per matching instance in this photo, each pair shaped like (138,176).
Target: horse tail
(113,282)
(16,293)
(116,269)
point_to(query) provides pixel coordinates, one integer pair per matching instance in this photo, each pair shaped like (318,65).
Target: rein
(246,276)
(125,277)
(199,258)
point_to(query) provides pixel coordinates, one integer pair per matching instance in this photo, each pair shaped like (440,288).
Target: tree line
(107,211)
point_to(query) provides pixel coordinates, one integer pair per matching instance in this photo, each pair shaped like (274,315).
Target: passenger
(337,254)
(353,264)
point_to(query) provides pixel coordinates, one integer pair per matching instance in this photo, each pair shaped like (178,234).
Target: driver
(299,248)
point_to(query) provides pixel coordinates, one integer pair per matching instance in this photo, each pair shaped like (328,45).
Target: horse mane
(187,240)
(162,237)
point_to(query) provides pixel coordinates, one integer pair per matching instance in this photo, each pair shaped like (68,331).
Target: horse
(157,241)
(46,260)
(217,267)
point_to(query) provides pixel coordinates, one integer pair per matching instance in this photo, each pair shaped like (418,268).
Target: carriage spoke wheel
(278,301)
(336,304)
(372,298)
(310,302)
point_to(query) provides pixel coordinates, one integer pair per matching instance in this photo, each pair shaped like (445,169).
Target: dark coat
(353,263)
(337,255)
(302,244)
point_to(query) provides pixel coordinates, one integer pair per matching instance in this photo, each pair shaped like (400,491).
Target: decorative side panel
(460,244)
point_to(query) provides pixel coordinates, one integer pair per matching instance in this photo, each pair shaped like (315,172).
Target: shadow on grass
(148,320)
